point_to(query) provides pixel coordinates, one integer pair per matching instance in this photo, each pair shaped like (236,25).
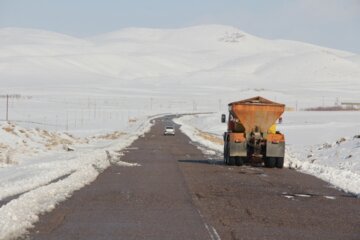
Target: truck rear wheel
(231,161)
(226,155)
(226,160)
(270,162)
(280,162)
(239,161)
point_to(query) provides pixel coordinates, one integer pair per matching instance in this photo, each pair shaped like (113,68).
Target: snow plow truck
(251,136)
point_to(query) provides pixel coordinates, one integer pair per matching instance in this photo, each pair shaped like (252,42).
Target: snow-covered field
(71,93)
(323,144)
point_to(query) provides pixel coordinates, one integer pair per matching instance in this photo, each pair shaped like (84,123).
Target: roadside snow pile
(35,185)
(204,137)
(16,141)
(337,163)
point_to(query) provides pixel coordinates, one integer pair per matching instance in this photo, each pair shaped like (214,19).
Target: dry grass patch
(210,137)
(111,136)
(3,146)
(10,129)
(56,141)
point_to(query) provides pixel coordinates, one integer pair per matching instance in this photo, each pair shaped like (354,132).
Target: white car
(169,130)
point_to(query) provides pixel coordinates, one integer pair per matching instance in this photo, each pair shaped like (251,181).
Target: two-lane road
(177,193)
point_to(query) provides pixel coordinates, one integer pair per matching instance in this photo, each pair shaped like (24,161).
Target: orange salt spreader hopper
(256,114)
(251,136)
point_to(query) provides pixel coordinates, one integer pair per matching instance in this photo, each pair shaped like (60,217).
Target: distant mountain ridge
(195,57)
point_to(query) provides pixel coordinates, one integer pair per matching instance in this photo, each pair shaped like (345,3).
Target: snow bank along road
(178,193)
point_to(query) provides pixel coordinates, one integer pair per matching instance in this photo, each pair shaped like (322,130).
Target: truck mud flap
(275,149)
(238,149)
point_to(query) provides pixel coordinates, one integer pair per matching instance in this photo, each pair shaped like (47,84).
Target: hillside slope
(201,60)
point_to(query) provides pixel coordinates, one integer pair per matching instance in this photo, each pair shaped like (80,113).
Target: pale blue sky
(332,23)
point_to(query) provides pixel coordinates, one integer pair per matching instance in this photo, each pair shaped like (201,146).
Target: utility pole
(7,96)
(67,121)
(194,106)
(95,109)
(7,107)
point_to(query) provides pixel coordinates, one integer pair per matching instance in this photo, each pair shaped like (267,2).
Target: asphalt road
(179,193)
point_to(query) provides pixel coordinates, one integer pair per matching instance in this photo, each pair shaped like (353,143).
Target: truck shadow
(204,161)
(221,162)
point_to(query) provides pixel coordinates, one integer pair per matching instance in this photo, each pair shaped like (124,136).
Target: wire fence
(84,113)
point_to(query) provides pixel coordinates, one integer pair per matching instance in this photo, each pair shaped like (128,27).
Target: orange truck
(251,136)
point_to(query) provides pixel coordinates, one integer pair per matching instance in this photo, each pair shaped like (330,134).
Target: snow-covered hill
(209,59)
